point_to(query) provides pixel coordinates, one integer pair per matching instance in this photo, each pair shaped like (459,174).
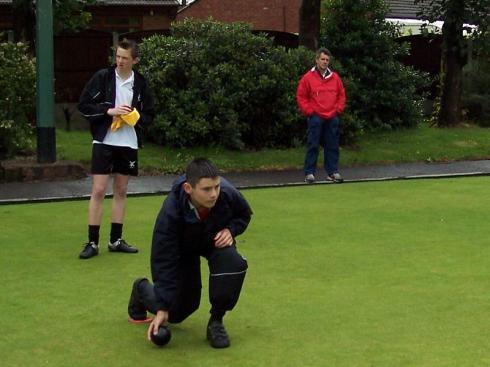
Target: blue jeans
(322,132)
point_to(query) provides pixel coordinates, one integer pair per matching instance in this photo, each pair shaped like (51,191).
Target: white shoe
(310,178)
(335,177)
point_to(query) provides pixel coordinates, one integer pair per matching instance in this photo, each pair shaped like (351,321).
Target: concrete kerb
(249,187)
(366,180)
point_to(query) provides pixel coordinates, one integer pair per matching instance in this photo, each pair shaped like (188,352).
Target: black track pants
(227,269)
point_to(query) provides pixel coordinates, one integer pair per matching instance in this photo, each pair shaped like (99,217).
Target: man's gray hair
(323,50)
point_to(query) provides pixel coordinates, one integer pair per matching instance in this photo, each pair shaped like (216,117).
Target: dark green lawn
(374,274)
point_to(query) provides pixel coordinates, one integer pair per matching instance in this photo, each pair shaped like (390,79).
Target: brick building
(77,56)
(277,18)
(275,15)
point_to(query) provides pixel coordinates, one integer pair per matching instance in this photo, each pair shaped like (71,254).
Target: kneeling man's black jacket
(179,234)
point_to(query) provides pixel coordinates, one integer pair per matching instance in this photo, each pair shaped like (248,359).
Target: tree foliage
(476,91)
(220,84)
(381,91)
(68,16)
(472,12)
(71,15)
(457,15)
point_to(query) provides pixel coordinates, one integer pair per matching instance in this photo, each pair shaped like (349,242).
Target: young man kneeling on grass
(201,216)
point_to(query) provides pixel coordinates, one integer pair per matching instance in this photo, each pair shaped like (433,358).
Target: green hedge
(17,99)
(220,84)
(476,91)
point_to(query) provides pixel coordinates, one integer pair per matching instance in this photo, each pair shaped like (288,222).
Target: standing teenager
(118,104)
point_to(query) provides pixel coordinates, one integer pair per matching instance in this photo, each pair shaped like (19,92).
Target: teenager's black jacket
(100,94)
(179,235)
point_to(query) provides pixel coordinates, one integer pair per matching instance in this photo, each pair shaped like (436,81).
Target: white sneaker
(335,177)
(310,178)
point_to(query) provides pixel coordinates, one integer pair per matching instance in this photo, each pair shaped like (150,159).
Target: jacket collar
(326,75)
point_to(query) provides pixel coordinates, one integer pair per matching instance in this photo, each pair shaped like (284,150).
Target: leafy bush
(220,84)
(382,92)
(14,138)
(476,91)
(17,98)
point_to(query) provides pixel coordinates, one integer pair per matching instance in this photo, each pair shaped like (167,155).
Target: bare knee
(98,191)
(99,186)
(120,186)
(120,190)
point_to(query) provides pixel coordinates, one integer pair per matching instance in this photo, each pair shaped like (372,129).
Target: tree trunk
(309,24)
(450,112)
(454,58)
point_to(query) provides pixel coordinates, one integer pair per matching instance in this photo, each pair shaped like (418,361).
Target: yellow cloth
(129,118)
(117,122)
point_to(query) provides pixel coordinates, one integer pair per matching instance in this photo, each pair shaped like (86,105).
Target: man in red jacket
(321,97)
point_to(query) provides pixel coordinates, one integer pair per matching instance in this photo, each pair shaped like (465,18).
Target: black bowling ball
(162,337)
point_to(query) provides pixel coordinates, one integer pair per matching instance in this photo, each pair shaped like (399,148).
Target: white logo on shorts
(132,164)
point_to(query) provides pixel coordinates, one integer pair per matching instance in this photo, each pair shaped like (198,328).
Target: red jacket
(324,97)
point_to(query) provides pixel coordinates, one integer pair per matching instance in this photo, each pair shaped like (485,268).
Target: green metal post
(46,138)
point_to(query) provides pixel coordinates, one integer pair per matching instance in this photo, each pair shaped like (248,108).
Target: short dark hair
(130,45)
(200,168)
(323,50)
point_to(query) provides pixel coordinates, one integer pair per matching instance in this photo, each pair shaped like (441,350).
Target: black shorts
(108,159)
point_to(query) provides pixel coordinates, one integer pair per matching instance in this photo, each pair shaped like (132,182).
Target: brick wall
(267,15)
(160,21)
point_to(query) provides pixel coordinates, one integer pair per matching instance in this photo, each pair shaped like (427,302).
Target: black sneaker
(217,335)
(122,246)
(90,249)
(136,308)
